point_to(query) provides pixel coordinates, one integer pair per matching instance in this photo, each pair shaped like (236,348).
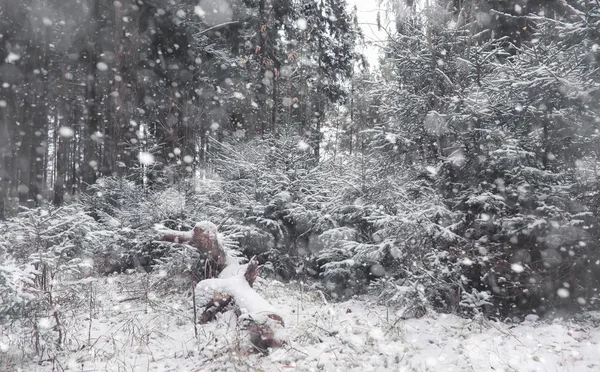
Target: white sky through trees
(367,18)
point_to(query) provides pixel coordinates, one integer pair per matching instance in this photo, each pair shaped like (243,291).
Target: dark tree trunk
(262,90)
(24,156)
(6,158)
(320,116)
(39,145)
(60,172)
(274,109)
(92,149)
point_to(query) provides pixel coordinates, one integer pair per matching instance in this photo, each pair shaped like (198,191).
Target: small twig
(217,26)
(90,325)
(297,350)
(195,311)
(132,299)
(507,332)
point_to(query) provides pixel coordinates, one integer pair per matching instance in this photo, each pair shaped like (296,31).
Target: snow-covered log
(231,287)
(213,293)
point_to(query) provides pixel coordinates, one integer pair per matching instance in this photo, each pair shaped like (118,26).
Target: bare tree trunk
(24,156)
(61,158)
(92,149)
(320,116)
(3,198)
(6,156)
(262,90)
(274,109)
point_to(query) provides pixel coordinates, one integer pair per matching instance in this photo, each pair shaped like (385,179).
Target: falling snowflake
(301,24)
(219,12)
(377,270)
(12,57)
(199,11)
(66,132)
(102,66)
(518,9)
(146,158)
(517,268)
(302,145)
(563,293)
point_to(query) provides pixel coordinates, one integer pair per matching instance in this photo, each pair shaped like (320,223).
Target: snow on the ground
(134,329)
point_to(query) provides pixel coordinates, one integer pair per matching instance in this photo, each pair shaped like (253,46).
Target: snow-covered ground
(133,329)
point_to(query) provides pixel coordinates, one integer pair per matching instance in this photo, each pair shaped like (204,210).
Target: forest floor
(134,329)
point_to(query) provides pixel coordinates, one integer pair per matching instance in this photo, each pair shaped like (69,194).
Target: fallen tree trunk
(255,313)
(231,286)
(220,299)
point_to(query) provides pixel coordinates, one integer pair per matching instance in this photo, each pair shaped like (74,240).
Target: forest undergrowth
(339,231)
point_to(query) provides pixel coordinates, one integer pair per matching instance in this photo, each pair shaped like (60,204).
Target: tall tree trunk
(6,154)
(317,135)
(92,149)
(76,157)
(39,147)
(2,199)
(262,90)
(60,156)
(274,108)
(24,155)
